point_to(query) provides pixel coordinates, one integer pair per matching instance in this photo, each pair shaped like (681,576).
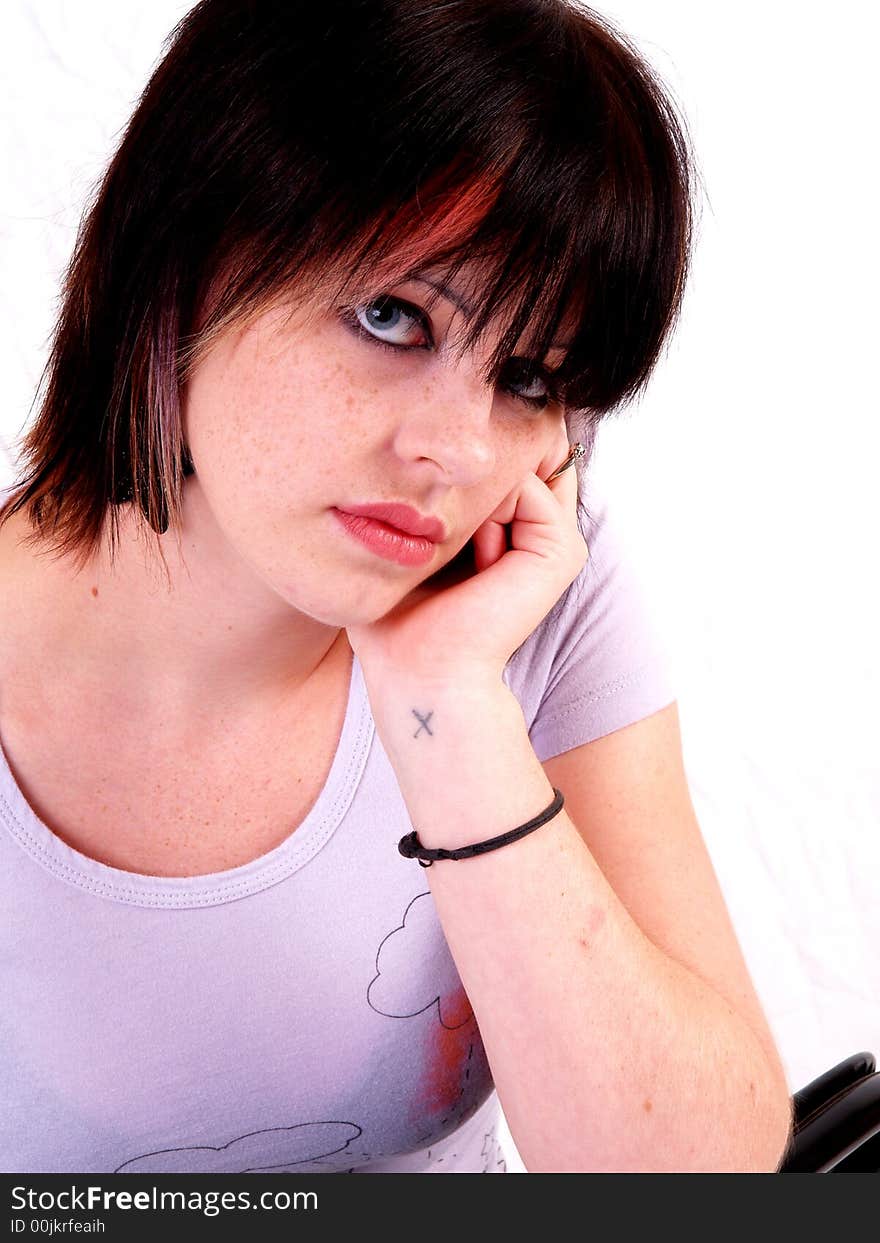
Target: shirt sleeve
(597,662)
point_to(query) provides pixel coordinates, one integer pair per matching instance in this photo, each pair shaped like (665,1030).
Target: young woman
(304,581)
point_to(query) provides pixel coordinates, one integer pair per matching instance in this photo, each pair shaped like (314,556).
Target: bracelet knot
(411,848)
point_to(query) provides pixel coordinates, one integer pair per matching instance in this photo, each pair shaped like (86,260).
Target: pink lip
(387,541)
(403,517)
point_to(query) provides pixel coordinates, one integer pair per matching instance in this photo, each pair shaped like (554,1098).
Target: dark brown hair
(327,150)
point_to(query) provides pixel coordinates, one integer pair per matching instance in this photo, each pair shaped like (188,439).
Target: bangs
(526,277)
(541,153)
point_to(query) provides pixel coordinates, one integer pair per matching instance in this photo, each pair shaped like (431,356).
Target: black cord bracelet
(411,847)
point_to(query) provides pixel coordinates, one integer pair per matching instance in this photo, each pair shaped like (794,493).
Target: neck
(214,639)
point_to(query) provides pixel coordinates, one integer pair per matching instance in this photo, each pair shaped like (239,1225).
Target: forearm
(607,1054)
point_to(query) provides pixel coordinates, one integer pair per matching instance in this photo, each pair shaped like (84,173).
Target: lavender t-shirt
(301,1013)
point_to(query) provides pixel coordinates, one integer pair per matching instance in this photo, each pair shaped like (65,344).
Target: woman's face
(291,417)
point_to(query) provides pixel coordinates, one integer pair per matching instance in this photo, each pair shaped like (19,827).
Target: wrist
(463,761)
(424,723)
(413,848)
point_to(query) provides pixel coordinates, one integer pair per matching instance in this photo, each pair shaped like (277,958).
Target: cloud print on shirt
(277,1150)
(398,990)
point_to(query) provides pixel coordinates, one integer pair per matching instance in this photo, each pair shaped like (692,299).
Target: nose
(448,423)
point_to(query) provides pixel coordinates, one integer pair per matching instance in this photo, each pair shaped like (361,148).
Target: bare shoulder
(29,610)
(14,588)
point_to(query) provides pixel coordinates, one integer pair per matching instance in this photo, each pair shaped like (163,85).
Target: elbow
(784,1132)
(772,1141)
(773,1125)
(781,1114)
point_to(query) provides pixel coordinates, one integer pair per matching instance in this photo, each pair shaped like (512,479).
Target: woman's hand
(462,631)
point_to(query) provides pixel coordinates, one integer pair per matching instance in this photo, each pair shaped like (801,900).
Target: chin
(360,601)
(345,603)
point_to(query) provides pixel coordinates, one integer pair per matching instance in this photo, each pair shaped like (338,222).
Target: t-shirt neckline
(211,889)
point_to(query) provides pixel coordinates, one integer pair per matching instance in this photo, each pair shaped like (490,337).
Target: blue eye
(387,315)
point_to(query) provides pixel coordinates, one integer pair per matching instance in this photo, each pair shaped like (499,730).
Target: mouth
(389,542)
(401,518)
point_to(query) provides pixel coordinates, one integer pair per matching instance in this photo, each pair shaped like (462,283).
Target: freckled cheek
(283,413)
(518,453)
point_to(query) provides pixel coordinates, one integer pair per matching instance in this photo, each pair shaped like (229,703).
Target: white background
(745,481)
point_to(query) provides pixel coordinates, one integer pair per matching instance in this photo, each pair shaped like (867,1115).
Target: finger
(490,543)
(566,489)
(565,486)
(543,504)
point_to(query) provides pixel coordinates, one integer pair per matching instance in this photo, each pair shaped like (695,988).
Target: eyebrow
(467,311)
